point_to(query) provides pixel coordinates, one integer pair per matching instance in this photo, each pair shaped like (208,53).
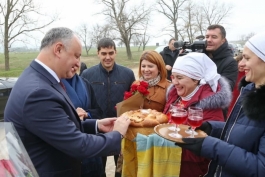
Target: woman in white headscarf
(197,83)
(237,147)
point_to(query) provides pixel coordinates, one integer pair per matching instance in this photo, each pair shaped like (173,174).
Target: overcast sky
(247,16)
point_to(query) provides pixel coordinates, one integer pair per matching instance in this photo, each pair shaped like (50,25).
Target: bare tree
(190,28)
(125,19)
(142,38)
(171,9)
(18,19)
(199,20)
(145,37)
(198,16)
(102,31)
(248,36)
(85,35)
(215,12)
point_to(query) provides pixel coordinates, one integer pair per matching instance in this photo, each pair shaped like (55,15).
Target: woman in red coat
(236,91)
(197,83)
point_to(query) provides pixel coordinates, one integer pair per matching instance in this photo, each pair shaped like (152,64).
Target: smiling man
(109,81)
(218,50)
(45,117)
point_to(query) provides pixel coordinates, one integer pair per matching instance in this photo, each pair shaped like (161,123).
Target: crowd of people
(65,112)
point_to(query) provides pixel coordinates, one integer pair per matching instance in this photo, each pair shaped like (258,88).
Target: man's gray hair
(55,35)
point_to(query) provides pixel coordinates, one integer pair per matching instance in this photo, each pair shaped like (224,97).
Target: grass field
(19,61)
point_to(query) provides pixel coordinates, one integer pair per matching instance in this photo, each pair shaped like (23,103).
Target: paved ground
(110,167)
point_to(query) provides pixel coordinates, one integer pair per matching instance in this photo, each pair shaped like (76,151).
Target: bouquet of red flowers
(134,99)
(141,88)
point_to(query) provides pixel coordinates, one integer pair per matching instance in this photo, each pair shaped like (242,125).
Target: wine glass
(171,108)
(195,118)
(178,116)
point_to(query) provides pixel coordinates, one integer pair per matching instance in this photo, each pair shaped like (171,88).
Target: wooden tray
(163,131)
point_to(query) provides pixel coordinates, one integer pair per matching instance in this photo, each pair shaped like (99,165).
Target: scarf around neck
(76,91)
(151,82)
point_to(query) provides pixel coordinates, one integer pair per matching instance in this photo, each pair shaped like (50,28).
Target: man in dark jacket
(45,117)
(109,81)
(170,54)
(217,49)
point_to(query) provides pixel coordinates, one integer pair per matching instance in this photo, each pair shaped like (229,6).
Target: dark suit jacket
(49,127)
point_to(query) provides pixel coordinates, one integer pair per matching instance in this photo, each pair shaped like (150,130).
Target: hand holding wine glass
(195,118)
(178,116)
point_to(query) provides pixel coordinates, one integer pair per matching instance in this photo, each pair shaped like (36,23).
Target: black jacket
(109,87)
(169,59)
(226,64)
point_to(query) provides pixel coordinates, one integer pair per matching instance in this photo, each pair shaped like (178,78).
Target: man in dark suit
(46,120)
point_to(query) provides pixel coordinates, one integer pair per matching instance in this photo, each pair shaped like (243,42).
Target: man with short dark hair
(217,49)
(109,81)
(45,118)
(170,54)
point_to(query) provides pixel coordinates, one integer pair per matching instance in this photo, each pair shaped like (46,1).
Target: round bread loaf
(145,117)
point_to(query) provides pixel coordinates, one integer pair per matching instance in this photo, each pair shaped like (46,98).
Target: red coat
(212,104)
(236,92)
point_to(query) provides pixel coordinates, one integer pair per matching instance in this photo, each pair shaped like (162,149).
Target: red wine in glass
(195,121)
(195,116)
(178,118)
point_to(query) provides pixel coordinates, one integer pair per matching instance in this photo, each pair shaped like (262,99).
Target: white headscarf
(198,66)
(257,45)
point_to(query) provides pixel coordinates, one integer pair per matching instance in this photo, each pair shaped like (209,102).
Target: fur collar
(220,99)
(254,103)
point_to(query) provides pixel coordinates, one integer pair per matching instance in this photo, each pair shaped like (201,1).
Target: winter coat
(212,104)
(156,99)
(226,64)
(109,86)
(236,91)
(237,147)
(169,58)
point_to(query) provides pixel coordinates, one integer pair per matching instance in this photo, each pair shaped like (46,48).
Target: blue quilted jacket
(237,147)
(109,87)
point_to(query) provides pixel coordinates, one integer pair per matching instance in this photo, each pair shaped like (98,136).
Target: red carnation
(146,93)
(134,87)
(142,88)
(127,95)
(144,84)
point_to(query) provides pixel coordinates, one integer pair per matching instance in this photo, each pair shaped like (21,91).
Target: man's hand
(81,113)
(119,124)
(106,125)
(168,67)
(206,127)
(192,144)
